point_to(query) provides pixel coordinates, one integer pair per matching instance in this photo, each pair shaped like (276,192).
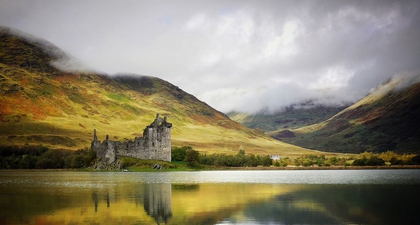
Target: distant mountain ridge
(293,116)
(386,119)
(41,103)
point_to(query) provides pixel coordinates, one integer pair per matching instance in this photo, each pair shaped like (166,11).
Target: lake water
(211,197)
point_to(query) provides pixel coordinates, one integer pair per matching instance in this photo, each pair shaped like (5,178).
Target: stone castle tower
(155,144)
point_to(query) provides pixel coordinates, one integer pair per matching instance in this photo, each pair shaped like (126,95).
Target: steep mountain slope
(293,116)
(386,119)
(40,104)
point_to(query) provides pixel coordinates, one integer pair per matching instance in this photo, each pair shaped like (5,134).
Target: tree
(332,161)
(375,161)
(285,161)
(266,161)
(192,157)
(360,162)
(178,153)
(395,161)
(251,160)
(415,160)
(28,162)
(77,161)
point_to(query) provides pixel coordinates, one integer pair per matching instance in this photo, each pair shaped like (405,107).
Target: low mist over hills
(41,103)
(293,116)
(386,119)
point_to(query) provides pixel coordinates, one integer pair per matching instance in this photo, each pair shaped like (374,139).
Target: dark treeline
(40,157)
(193,158)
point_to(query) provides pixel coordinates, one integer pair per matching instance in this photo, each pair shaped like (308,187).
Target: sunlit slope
(386,119)
(40,104)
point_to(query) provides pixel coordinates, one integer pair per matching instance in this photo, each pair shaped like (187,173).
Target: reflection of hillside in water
(51,198)
(343,204)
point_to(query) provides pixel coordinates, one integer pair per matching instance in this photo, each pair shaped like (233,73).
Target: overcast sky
(236,55)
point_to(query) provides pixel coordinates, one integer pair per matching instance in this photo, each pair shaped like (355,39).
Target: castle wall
(155,144)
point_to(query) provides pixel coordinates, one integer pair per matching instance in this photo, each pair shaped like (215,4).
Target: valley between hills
(384,120)
(43,105)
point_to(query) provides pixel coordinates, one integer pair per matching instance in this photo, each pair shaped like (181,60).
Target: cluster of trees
(40,157)
(314,160)
(194,158)
(386,158)
(363,159)
(187,154)
(239,160)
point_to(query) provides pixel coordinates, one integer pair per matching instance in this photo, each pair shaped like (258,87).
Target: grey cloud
(242,55)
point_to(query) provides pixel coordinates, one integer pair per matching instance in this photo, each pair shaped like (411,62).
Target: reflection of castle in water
(158,201)
(96,200)
(156,198)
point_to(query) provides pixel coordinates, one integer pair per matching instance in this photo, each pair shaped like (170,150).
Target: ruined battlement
(155,144)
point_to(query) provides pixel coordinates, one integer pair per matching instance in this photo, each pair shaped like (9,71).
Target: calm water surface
(211,197)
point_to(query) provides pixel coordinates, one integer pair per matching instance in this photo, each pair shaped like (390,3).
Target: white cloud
(198,21)
(284,43)
(332,78)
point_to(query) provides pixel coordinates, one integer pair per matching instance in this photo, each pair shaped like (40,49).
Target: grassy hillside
(40,104)
(386,119)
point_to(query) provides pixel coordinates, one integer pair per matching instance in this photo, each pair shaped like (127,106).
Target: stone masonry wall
(155,144)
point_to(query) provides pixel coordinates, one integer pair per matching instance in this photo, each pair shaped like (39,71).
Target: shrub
(179,153)
(192,157)
(375,161)
(360,162)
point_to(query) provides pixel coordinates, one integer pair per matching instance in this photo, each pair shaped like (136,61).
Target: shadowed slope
(386,119)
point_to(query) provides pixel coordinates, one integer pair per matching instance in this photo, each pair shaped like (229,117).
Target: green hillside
(41,104)
(386,119)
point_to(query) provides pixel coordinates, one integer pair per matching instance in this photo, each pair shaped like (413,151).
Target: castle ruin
(155,144)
